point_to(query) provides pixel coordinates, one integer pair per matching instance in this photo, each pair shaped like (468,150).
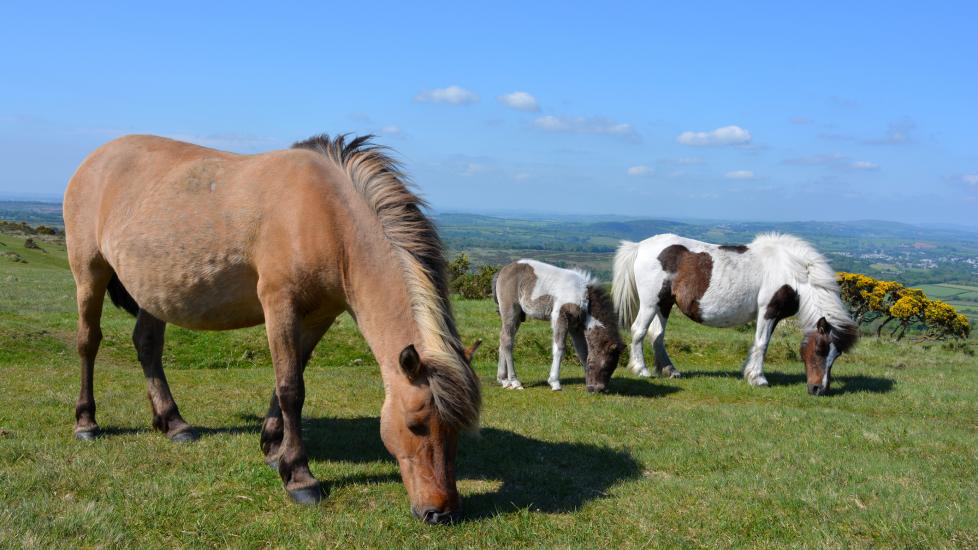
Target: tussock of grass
(890,459)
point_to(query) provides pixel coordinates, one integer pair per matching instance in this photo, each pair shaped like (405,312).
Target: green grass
(890,459)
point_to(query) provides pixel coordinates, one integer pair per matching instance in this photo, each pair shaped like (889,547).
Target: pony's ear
(411,362)
(823,327)
(470,351)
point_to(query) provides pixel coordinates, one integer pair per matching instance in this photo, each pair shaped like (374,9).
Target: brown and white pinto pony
(775,277)
(575,304)
(210,240)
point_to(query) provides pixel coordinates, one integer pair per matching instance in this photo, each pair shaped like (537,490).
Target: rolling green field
(890,459)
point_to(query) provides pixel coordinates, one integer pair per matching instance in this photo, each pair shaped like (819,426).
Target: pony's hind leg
(663,364)
(148,339)
(506,370)
(91,284)
(272,429)
(640,327)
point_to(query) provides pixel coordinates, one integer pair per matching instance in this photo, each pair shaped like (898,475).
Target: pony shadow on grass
(630,387)
(552,477)
(855,383)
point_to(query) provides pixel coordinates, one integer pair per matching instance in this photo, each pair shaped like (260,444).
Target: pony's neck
(377,296)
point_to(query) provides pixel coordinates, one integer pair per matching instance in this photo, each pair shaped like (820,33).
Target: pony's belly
(220,299)
(725,312)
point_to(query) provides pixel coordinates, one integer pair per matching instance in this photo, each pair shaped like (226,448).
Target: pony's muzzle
(432,516)
(817,389)
(596,388)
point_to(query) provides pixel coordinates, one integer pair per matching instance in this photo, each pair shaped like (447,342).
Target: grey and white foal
(574,304)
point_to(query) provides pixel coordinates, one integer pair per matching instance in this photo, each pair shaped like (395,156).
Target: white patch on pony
(565,286)
(593,323)
(213,186)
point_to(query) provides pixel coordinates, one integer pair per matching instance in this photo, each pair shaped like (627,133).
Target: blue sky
(761,111)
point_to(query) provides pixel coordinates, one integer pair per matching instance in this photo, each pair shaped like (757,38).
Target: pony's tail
(623,289)
(120,296)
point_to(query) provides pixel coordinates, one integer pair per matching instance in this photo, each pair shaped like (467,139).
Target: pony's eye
(418,428)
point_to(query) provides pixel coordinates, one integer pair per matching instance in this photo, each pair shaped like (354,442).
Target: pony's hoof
(759,382)
(307,496)
(675,374)
(554,386)
(186,436)
(87,435)
(643,372)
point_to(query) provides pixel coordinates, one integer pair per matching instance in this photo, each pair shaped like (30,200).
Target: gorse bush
(473,285)
(871,300)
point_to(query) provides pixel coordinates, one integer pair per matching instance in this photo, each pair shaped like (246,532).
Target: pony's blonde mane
(386,189)
(815,281)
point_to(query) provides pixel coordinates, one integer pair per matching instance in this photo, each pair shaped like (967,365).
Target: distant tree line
(873,301)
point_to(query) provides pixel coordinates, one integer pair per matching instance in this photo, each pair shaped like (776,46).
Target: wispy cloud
(897,133)
(739,175)
(970,179)
(391,130)
(521,101)
(833,160)
(640,170)
(585,125)
(800,120)
(727,135)
(452,95)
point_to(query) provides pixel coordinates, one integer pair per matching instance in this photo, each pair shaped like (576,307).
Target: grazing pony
(209,240)
(574,303)
(774,277)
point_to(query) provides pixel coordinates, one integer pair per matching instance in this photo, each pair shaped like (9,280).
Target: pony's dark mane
(386,189)
(600,306)
(845,336)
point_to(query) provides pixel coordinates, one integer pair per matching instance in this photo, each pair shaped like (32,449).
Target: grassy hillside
(890,459)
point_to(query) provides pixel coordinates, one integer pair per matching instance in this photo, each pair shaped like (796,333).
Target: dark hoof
(307,496)
(87,435)
(187,436)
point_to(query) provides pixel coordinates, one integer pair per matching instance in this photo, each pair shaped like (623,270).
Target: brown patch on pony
(386,189)
(691,277)
(600,307)
(571,316)
(666,299)
(738,248)
(783,304)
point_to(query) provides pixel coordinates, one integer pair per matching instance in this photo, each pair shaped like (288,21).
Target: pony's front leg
(640,327)
(272,429)
(283,330)
(753,367)
(580,347)
(560,337)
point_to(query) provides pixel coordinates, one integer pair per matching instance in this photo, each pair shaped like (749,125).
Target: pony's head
(416,432)
(820,348)
(604,345)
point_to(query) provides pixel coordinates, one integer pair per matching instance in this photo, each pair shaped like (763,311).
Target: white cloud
(391,130)
(739,175)
(584,125)
(970,179)
(640,170)
(452,95)
(474,168)
(727,135)
(521,101)
(833,160)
